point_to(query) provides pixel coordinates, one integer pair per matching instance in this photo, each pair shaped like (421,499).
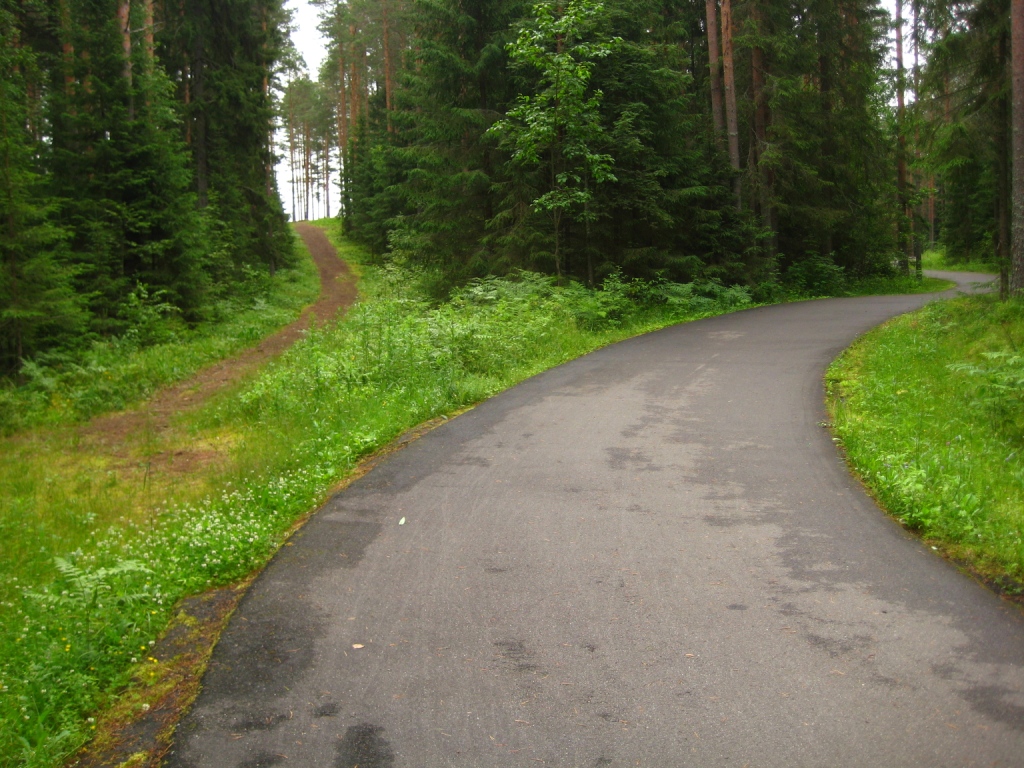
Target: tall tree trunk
(731,120)
(342,109)
(388,75)
(200,150)
(148,35)
(715,63)
(124,23)
(765,176)
(1003,141)
(1017,45)
(67,47)
(901,159)
(919,209)
(327,176)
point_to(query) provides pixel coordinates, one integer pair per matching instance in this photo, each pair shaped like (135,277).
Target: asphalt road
(651,556)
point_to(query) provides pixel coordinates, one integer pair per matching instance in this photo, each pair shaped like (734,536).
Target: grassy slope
(934,423)
(113,374)
(936,259)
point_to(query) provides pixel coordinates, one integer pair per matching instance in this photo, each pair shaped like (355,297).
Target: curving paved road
(651,556)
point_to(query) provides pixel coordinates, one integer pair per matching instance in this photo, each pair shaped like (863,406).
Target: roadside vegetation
(930,410)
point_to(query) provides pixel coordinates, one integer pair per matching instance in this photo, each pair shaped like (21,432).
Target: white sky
(310,44)
(306,36)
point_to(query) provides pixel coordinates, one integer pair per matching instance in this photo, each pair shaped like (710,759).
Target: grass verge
(930,410)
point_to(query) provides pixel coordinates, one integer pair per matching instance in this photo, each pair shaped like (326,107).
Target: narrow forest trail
(337,294)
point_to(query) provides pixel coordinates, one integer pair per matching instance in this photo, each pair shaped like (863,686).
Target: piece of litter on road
(357,645)
(402,521)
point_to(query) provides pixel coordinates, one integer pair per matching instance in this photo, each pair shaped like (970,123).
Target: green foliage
(133,153)
(38,306)
(940,442)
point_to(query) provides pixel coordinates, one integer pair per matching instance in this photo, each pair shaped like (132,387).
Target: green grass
(930,409)
(156,351)
(936,259)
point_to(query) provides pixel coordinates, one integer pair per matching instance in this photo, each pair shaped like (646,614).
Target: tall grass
(930,409)
(94,588)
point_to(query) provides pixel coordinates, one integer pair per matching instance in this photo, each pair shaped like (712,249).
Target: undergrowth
(930,409)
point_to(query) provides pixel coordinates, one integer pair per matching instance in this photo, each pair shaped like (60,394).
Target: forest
(756,143)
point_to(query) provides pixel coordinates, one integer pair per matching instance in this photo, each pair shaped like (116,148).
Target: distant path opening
(337,294)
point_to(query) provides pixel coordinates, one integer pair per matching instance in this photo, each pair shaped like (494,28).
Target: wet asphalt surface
(651,556)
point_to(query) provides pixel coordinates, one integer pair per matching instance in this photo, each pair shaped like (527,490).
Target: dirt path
(337,293)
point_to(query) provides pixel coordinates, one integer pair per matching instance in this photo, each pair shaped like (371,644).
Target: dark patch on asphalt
(330,709)
(631,458)
(516,653)
(261,657)
(362,746)
(992,701)
(602,761)
(262,760)
(257,722)
(838,647)
(472,461)
(737,607)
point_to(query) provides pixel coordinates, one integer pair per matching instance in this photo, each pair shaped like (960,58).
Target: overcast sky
(306,36)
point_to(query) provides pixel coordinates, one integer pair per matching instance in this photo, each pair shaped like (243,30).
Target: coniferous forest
(754,142)
(135,162)
(751,142)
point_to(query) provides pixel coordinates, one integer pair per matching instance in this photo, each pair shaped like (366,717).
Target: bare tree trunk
(1003,140)
(901,159)
(1017,46)
(715,63)
(124,24)
(765,176)
(327,176)
(342,108)
(918,250)
(148,39)
(201,151)
(388,75)
(67,48)
(731,120)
